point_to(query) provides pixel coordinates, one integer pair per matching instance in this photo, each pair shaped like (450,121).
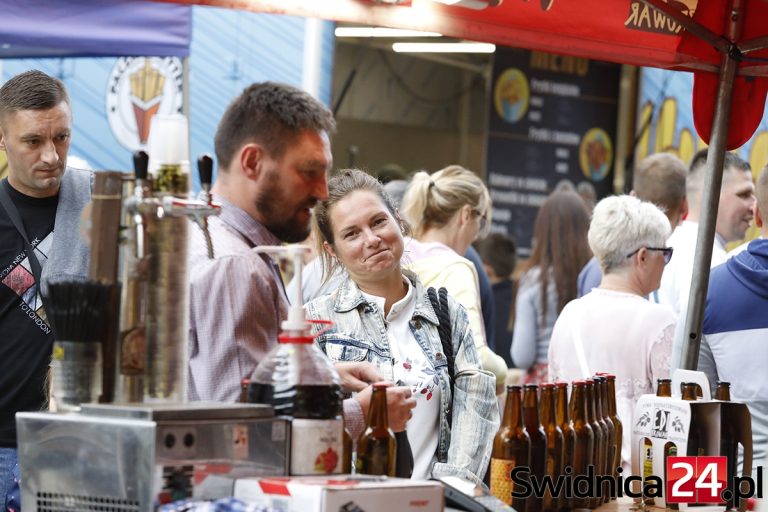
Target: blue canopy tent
(92,28)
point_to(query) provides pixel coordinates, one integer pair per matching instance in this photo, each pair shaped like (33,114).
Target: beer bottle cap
(561,384)
(546,385)
(380,385)
(530,386)
(579,383)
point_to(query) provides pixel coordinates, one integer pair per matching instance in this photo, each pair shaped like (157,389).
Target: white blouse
(622,334)
(411,367)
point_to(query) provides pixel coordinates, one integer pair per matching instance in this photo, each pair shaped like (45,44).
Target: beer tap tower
(151,446)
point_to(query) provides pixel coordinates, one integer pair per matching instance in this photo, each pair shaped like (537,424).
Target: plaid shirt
(359,334)
(236,303)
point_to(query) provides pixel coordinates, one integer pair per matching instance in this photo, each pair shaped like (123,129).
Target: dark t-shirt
(504,299)
(25,335)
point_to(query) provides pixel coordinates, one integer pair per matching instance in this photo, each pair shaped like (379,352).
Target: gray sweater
(69,252)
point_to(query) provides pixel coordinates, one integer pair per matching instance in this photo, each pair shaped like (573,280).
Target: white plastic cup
(168,141)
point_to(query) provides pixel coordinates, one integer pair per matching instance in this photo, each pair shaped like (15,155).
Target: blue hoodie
(734,344)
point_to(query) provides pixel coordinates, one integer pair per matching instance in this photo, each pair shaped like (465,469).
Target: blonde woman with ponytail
(447,211)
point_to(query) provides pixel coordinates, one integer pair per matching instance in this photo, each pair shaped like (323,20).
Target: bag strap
(13,213)
(439,302)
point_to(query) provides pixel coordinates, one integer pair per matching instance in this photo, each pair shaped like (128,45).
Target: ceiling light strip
(443,47)
(381,32)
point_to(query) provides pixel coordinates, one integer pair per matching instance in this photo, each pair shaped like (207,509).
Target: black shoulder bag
(439,300)
(13,213)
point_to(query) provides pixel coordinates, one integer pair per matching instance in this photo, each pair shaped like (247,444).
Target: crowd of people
(605,288)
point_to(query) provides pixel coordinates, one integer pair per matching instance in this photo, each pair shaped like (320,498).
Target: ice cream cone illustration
(146,95)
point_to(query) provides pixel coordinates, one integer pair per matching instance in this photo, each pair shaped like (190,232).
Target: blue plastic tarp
(93,28)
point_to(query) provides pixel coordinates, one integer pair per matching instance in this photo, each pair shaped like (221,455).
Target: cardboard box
(344,493)
(664,420)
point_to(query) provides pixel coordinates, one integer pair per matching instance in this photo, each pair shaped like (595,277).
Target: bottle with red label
(300,382)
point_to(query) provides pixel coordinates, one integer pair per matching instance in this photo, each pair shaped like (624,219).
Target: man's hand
(356,376)
(400,404)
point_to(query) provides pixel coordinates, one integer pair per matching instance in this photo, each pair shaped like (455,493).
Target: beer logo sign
(138,89)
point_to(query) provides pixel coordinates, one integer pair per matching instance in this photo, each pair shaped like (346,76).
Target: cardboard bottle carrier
(668,419)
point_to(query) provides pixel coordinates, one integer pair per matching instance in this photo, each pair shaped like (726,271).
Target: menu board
(552,119)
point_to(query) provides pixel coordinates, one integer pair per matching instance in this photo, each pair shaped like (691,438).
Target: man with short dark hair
(40,205)
(274,155)
(734,215)
(658,179)
(734,342)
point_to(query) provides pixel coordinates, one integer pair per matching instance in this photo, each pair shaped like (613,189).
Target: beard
(281,219)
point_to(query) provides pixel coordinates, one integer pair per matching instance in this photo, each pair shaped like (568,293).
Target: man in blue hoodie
(734,344)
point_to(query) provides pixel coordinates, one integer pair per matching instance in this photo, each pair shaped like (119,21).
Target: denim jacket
(359,334)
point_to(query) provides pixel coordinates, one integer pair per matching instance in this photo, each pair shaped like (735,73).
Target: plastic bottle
(299,381)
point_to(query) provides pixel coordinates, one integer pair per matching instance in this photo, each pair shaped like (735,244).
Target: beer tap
(141,193)
(205,168)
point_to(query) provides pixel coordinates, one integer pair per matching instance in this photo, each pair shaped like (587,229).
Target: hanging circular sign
(138,89)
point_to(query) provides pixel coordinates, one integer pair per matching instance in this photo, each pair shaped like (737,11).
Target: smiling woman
(383,315)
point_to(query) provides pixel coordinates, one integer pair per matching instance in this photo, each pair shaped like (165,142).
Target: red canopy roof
(625,31)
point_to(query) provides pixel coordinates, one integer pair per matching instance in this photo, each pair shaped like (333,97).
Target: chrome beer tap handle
(205,168)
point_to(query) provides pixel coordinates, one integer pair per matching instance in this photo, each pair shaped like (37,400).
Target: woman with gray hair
(614,328)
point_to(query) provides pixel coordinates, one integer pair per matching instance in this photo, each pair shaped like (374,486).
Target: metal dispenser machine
(148,446)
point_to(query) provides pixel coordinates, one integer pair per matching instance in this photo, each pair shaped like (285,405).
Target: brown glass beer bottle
(511,448)
(598,459)
(563,421)
(664,387)
(729,446)
(601,411)
(584,437)
(538,440)
(377,446)
(554,464)
(723,391)
(618,429)
(695,436)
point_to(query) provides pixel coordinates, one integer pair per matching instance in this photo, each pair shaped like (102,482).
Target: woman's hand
(356,376)
(400,404)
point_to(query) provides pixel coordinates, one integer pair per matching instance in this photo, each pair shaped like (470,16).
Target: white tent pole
(313,45)
(713,178)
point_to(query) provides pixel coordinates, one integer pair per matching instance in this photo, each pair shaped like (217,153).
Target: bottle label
(647,459)
(317,446)
(501,479)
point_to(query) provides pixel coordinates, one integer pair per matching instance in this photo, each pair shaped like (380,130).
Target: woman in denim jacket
(383,315)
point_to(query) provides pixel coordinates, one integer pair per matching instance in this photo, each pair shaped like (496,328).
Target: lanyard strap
(13,213)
